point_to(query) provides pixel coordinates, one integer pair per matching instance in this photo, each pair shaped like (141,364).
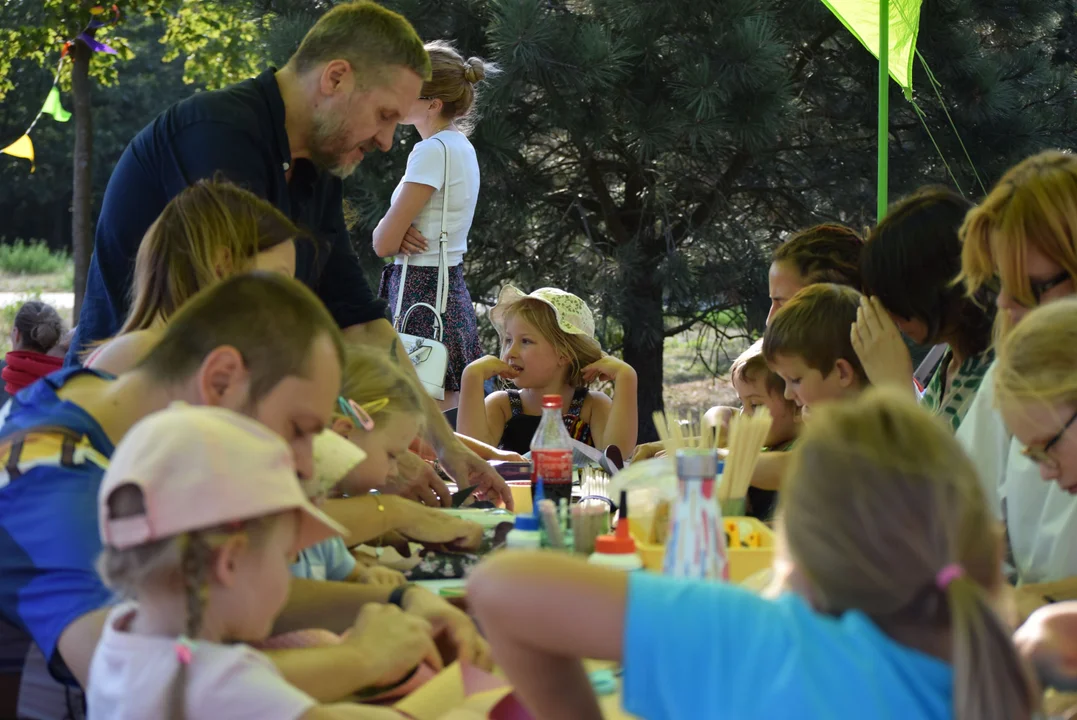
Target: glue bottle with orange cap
(618,551)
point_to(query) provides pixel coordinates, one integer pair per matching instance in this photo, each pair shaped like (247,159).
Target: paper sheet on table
(582,455)
(467,693)
(462,692)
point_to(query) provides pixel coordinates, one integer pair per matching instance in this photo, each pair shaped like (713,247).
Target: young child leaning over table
(200,513)
(807,346)
(548,347)
(379,414)
(894,560)
(758,386)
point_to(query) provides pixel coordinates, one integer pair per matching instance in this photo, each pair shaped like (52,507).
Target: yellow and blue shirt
(53,456)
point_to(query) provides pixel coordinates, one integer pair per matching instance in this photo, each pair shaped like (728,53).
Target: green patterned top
(962,390)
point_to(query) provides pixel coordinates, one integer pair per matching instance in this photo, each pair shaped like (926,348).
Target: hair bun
(474,70)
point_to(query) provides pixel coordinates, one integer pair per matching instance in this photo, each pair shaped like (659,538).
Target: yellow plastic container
(743,561)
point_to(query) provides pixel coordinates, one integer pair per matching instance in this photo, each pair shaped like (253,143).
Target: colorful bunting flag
(54,107)
(21,148)
(95,45)
(24,147)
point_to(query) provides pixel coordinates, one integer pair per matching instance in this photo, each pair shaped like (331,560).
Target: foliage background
(644,155)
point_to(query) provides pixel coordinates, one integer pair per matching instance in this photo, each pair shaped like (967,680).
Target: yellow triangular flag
(21,148)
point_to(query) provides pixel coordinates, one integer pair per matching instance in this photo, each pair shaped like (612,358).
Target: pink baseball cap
(203,467)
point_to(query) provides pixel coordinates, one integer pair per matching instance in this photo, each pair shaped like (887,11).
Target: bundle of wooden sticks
(747,433)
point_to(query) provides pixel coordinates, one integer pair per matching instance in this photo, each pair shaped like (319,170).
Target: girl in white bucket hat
(548,347)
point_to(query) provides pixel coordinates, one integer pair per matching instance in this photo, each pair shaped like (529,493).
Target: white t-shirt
(426,166)
(131,676)
(1041,519)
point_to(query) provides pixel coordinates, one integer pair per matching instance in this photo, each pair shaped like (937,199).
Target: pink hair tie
(947,575)
(184,649)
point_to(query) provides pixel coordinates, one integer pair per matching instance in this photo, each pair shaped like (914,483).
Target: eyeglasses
(1038,287)
(1041,455)
(361,414)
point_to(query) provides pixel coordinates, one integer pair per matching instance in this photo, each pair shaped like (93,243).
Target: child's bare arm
(477,416)
(770,470)
(616,422)
(518,599)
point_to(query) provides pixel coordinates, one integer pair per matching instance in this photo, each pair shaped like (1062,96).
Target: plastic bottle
(695,547)
(618,551)
(525,534)
(551,452)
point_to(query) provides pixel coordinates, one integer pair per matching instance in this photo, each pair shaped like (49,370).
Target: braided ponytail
(195,556)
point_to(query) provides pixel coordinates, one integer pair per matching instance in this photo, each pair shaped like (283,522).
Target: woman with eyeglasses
(1022,240)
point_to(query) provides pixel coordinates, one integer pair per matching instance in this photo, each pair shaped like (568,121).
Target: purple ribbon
(94,45)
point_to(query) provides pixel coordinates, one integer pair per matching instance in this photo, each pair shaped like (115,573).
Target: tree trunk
(82,190)
(643,337)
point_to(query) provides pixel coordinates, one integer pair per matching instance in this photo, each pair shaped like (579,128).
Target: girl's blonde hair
(580,350)
(1033,205)
(209,222)
(187,557)
(374,380)
(880,498)
(453,81)
(1037,360)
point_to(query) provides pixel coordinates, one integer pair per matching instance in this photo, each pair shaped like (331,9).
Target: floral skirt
(461,336)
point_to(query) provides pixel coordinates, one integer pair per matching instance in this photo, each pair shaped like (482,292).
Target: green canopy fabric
(862,19)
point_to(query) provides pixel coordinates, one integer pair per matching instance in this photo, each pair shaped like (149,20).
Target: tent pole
(884,106)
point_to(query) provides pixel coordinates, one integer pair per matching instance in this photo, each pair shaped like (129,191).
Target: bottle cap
(527,522)
(615,545)
(551,401)
(697,462)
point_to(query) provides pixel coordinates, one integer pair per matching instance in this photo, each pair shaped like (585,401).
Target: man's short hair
(815,325)
(368,36)
(271,320)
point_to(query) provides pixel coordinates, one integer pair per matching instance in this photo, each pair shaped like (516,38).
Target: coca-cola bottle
(551,453)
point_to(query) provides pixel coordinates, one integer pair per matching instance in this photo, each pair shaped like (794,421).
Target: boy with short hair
(808,344)
(259,344)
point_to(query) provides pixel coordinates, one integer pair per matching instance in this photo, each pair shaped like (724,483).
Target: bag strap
(441,299)
(930,362)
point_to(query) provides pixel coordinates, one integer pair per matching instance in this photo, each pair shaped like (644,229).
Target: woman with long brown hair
(210,231)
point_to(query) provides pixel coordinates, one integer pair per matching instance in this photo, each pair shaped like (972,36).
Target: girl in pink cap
(548,347)
(200,514)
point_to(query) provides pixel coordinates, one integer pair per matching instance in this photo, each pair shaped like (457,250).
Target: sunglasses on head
(1041,455)
(361,414)
(1038,287)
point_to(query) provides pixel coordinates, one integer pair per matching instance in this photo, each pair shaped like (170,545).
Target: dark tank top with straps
(520,428)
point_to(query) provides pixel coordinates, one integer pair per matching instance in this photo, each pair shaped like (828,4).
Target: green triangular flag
(54,107)
(861,17)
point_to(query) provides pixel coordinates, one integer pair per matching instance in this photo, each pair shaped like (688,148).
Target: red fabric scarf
(25,367)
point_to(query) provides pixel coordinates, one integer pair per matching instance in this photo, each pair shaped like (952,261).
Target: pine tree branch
(809,52)
(707,206)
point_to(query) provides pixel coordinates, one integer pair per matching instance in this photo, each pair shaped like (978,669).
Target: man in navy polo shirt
(290,136)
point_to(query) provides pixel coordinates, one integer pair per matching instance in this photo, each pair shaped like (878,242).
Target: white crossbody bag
(429,355)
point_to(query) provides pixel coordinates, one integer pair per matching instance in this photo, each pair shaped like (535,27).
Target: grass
(31,258)
(688,386)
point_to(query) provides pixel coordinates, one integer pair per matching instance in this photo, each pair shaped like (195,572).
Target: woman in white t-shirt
(443,115)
